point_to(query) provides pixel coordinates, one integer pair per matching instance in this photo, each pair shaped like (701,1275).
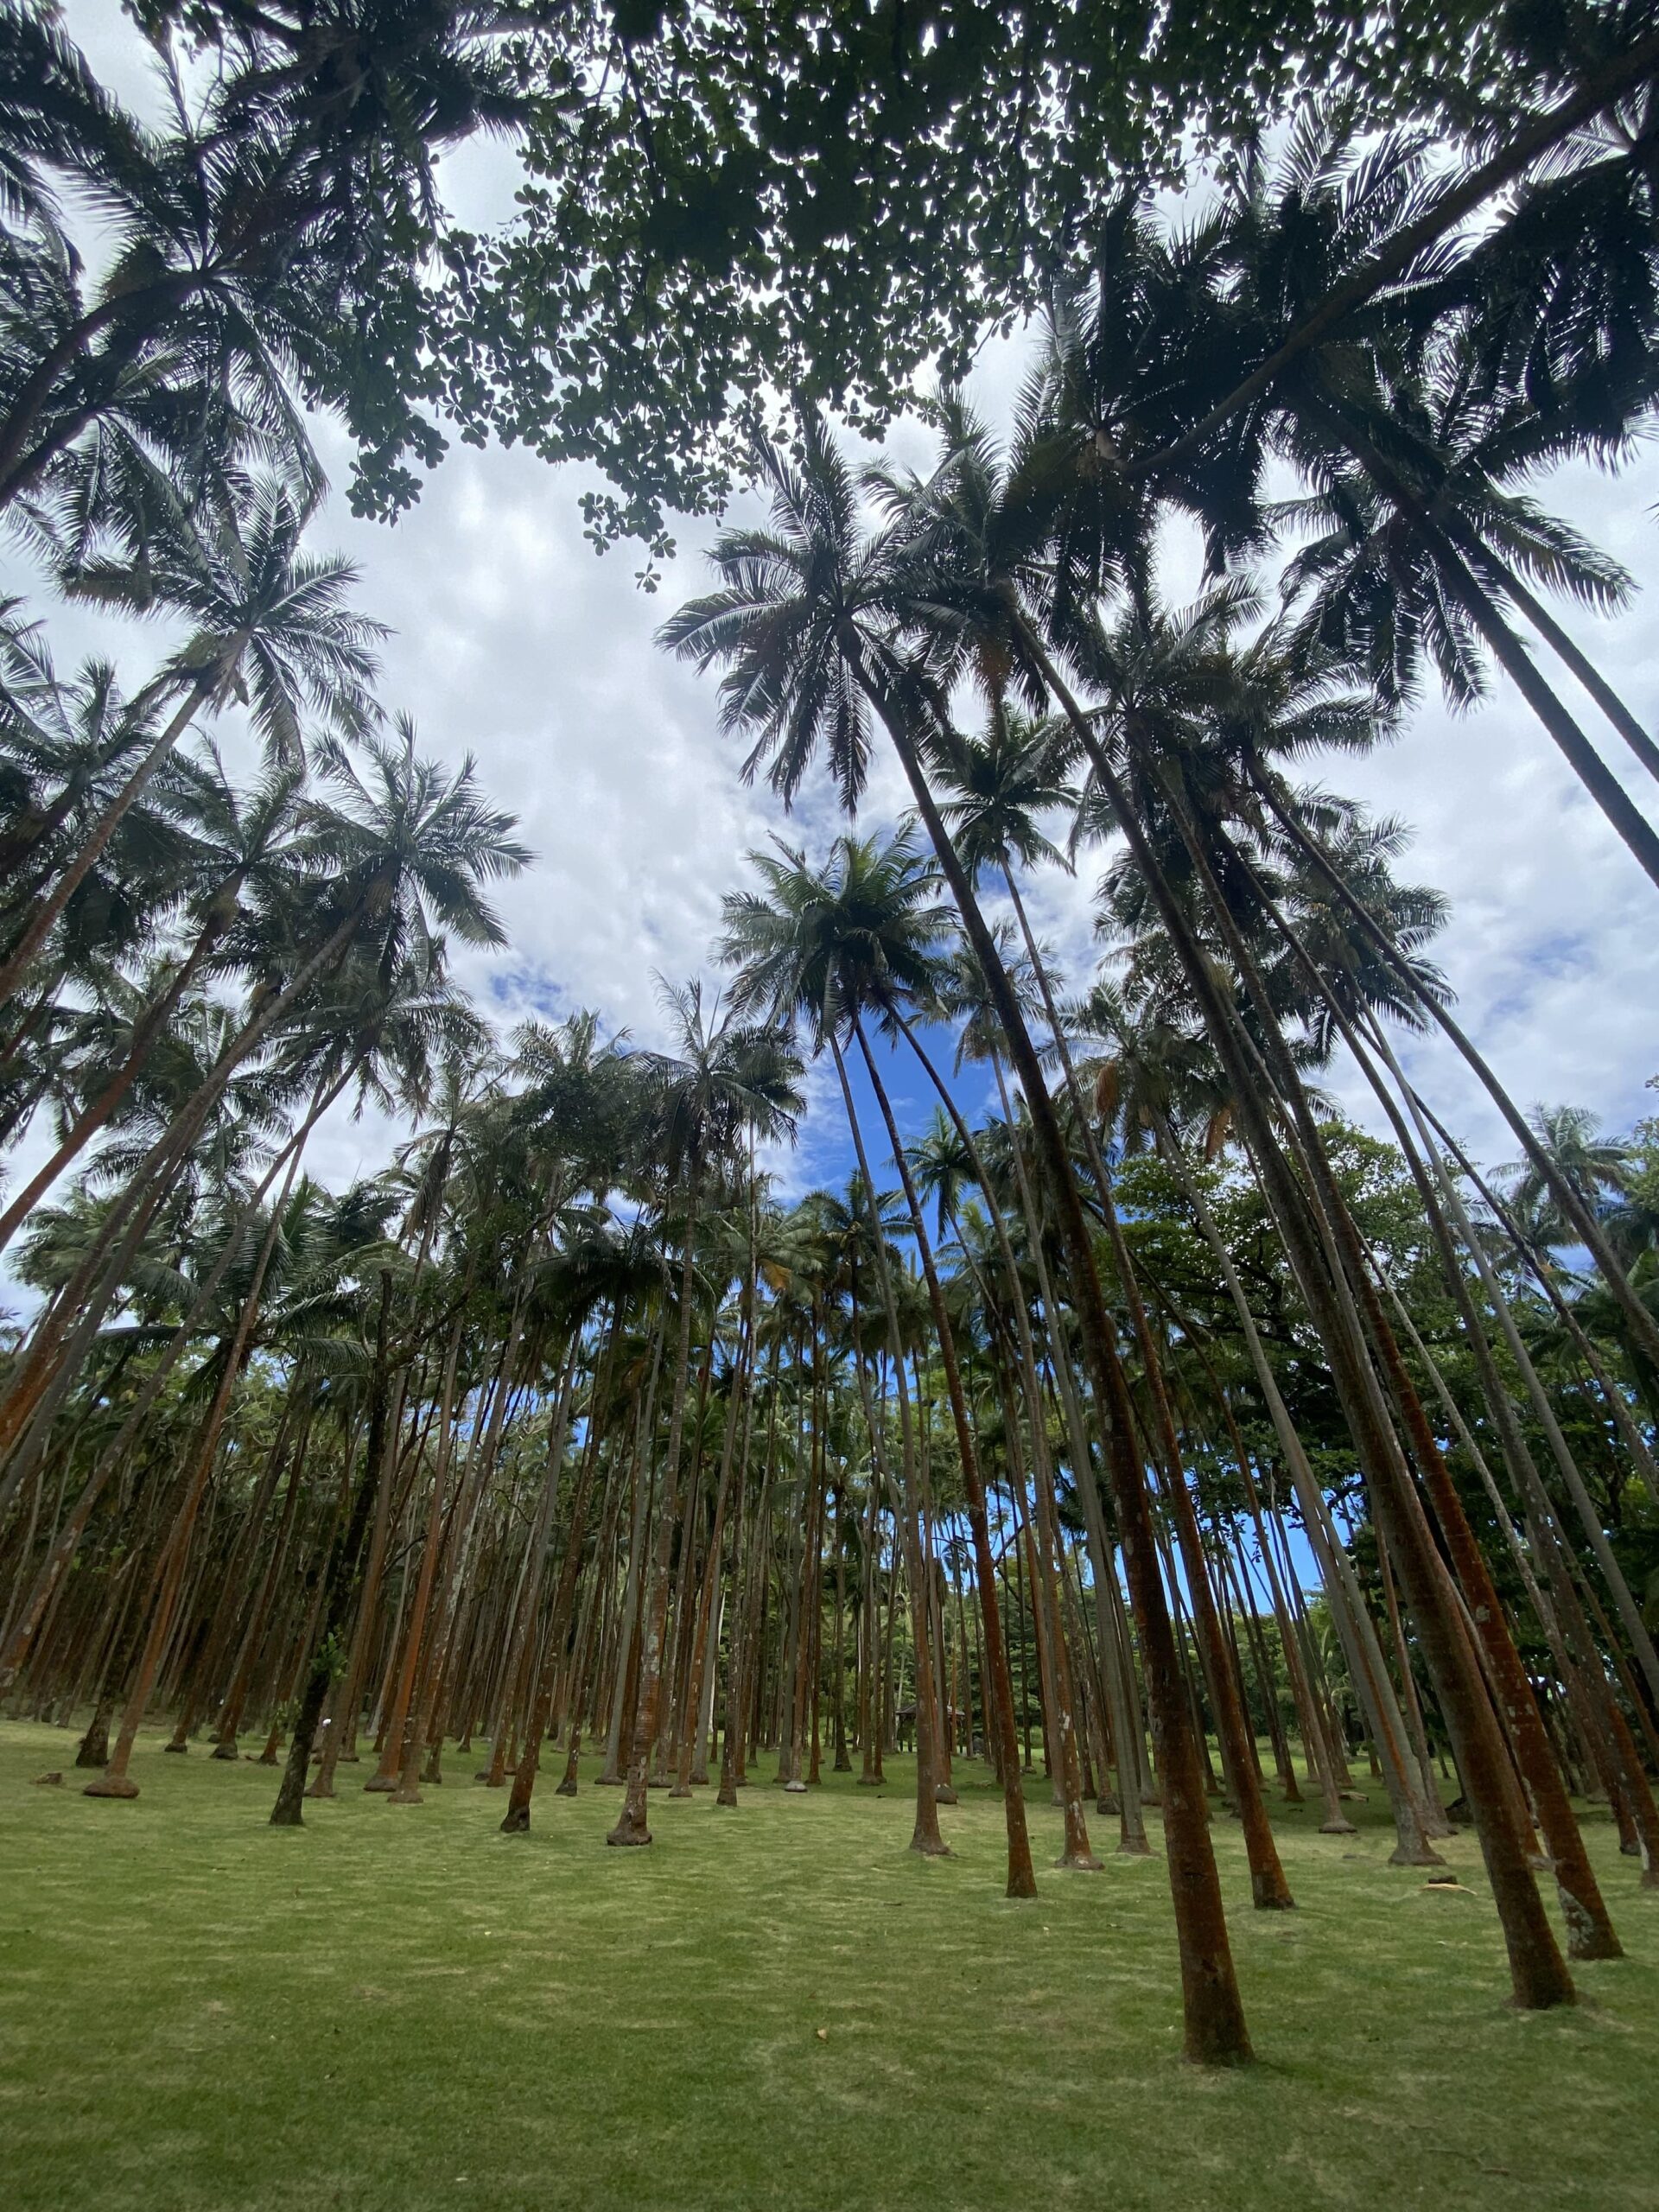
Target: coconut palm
(1595,1166)
(270,626)
(411,847)
(995,802)
(1411,457)
(239,843)
(838,948)
(805,619)
(1539,1972)
(724,1078)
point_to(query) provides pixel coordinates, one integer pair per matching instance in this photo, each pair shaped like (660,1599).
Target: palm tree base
(1081,1862)
(1426,1857)
(1267,1899)
(1338,1827)
(381,1784)
(629,1835)
(111,1785)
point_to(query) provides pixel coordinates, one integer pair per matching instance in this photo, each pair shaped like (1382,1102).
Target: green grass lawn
(400,2007)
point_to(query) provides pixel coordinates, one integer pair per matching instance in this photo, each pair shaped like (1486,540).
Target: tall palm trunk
(1619,1413)
(1125,1724)
(427,1710)
(1642,1325)
(399,1719)
(45,916)
(318,1648)
(1360,1648)
(229,1717)
(516,1820)
(924,1837)
(1046,1553)
(116,1781)
(1269,1890)
(1315,1746)
(527,1602)
(98,1112)
(230,1614)
(1213,2011)
(341,1739)
(1538,1970)
(1022,1880)
(63,1549)
(1577,662)
(691,1696)
(1634,1626)
(632,1827)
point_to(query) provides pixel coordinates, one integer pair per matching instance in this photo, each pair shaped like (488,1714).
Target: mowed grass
(778,2006)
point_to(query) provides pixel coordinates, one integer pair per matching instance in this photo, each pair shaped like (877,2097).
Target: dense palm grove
(1147,1426)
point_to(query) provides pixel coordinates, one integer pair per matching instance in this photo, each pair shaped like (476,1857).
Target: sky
(514,643)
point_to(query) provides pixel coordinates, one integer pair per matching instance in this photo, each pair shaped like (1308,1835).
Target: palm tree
(1592,1164)
(965,573)
(1414,462)
(998,786)
(408,847)
(239,844)
(804,618)
(417,852)
(839,947)
(724,1078)
(270,626)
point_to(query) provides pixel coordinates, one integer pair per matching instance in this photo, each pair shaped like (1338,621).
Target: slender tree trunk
(116,1781)
(924,1837)
(1213,2011)
(1022,1876)
(632,1827)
